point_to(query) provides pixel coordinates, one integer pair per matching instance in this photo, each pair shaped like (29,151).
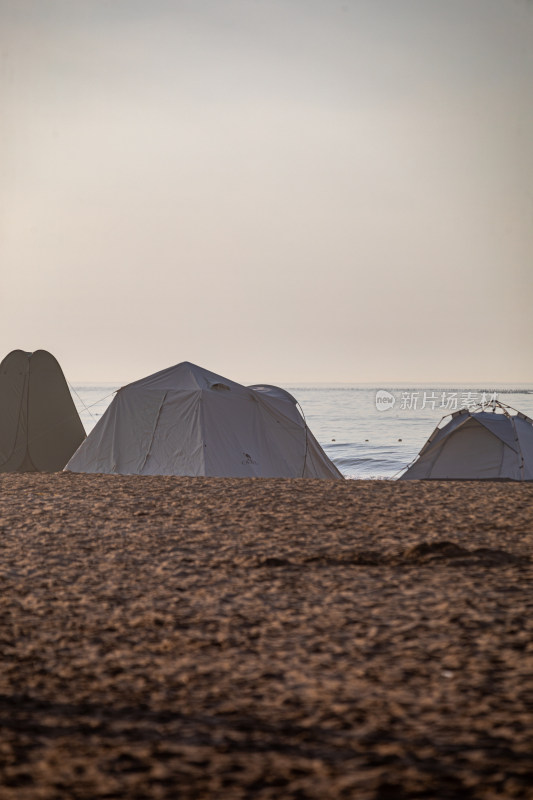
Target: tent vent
(220,387)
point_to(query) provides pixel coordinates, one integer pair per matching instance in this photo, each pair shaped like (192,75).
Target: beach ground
(229,638)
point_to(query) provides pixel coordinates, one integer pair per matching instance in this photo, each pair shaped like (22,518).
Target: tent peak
(186,376)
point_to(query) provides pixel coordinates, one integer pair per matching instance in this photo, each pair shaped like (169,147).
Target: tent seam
(153,433)
(519,448)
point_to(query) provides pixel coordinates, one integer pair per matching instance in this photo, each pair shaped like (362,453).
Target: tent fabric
(40,427)
(477,445)
(524,432)
(274,391)
(186,420)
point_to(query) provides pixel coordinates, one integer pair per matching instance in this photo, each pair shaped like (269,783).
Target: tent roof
(501,425)
(186,377)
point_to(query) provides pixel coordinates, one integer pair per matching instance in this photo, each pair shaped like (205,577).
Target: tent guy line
(96,402)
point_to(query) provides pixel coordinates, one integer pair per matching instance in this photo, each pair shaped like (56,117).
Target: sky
(278,190)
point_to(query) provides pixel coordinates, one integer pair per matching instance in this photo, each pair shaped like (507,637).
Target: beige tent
(186,420)
(39,426)
(490,443)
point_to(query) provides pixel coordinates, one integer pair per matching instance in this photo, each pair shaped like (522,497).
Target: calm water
(362,440)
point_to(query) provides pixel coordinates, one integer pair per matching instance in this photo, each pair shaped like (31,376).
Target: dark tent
(40,427)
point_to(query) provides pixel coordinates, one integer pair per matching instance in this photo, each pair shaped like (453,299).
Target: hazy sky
(277,190)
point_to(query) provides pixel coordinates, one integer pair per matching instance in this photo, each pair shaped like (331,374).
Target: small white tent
(185,420)
(479,444)
(39,426)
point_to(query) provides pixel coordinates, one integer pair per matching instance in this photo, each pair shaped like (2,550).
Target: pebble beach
(276,639)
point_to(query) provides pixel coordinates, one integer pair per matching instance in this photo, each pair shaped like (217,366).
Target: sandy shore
(212,638)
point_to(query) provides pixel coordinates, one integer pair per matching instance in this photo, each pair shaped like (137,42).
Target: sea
(368,431)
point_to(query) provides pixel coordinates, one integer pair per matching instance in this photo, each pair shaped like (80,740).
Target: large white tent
(186,420)
(39,426)
(494,444)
